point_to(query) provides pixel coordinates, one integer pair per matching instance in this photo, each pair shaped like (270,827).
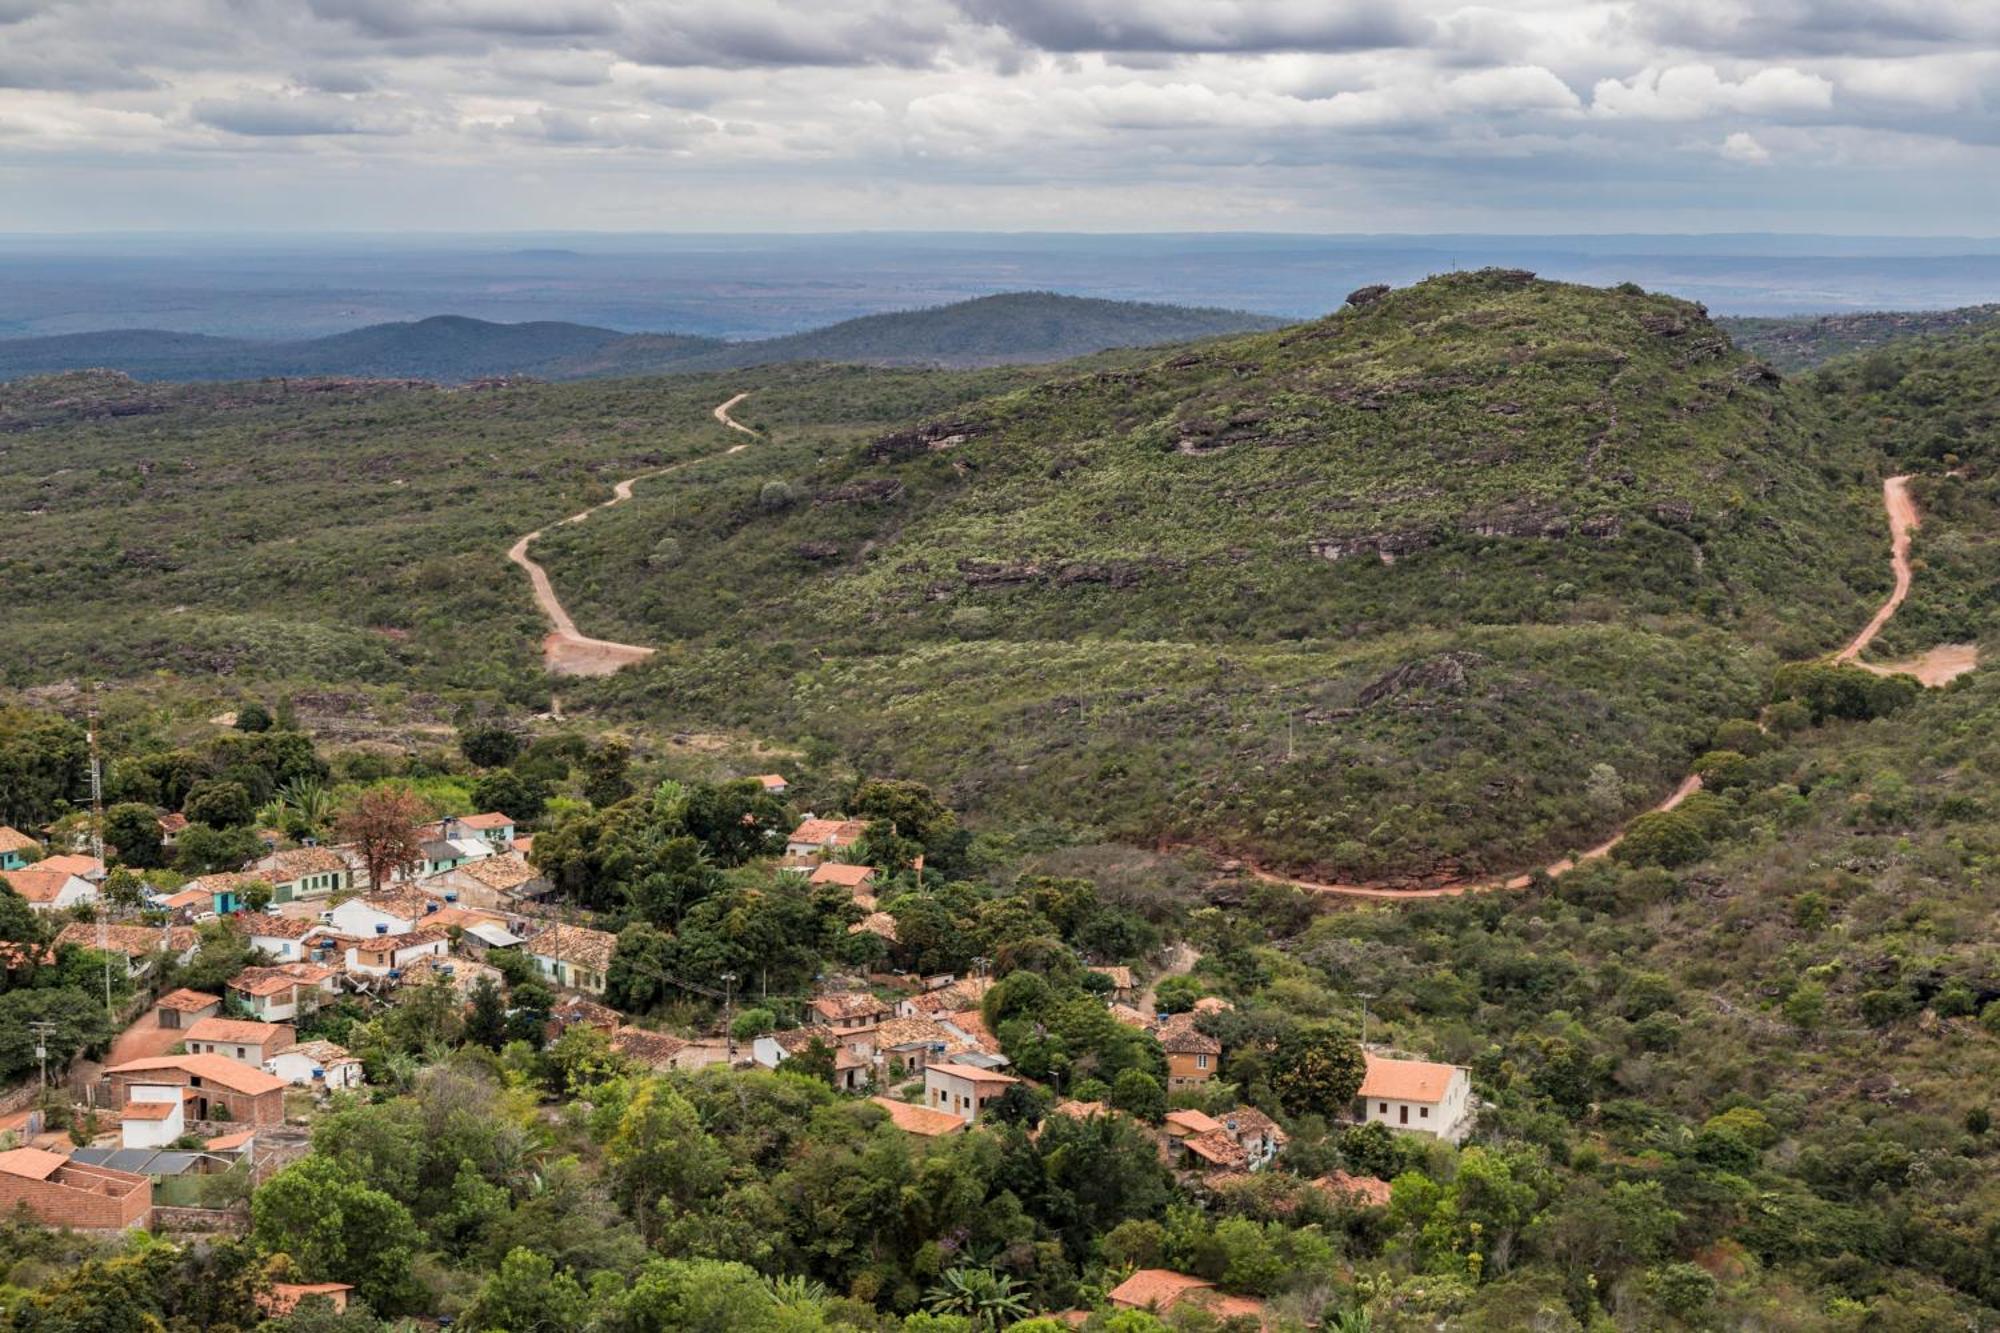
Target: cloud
(294,115)
(1513,88)
(1818,27)
(1204,25)
(774,33)
(1690,92)
(493,18)
(1743,147)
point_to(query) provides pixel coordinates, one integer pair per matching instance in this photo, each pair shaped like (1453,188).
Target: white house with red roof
(1418,1096)
(963,1090)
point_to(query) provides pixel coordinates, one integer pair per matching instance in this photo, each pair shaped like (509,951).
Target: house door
(1404,1112)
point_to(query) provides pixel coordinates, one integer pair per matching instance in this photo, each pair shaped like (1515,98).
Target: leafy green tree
(490,745)
(42,758)
(253,717)
(990,1300)
(133,830)
(751,1023)
(1138,1093)
(219,803)
(255,895)
(1317,1072)
(529,1294)
(511,794)
(1668,838)
(337,1228)
(202,849)
(698,1296)
(814,1060)
(486,1020)
(607,774)
(1177,995)
(80,1025)
(916,815)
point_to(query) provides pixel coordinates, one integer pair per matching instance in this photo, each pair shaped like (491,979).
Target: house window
(1201,1062)
(1423,1112)
(1406,1114)
(1384,1108)
(239,1052)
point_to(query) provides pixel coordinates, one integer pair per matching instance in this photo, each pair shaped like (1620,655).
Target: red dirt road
(566,652)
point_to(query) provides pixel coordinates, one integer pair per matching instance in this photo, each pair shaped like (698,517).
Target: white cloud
(1691,92)
(1742,146)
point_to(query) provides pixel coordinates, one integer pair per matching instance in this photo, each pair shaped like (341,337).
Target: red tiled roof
(13,840)
(37,884)
(245,1031)
(971,1073)
(33,1163)
(187,1001)
(921,1120)
(492,819)
(1405,1080)
(1369,1191)
(148,1110)
(1155,1289)
(847,876)
(212,1068)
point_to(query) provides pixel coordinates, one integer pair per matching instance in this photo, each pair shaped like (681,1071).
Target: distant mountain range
(1014,327)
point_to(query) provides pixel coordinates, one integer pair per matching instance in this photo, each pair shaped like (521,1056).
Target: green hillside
(1373,594)
(1801,342)
(1449,581)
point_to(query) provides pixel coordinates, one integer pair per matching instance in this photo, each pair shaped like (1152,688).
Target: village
(204,1087)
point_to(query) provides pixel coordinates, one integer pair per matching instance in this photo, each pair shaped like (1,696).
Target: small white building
(496,828)
(286,991)
(154,1118)
(282,937)
(397,909)
(245,1042)
(823,837)
(1418,1096)
(320,1065)
(381,954)
(575,957)
(961,1090)
(48,889)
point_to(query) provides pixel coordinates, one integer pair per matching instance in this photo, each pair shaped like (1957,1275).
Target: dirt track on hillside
(565,651)
(1935,667)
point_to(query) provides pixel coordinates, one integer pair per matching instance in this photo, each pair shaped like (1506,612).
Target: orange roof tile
(1191,1122)
(36,884)
(83,867)
(213,1068)
(33,1163)
(240,1030)
(921,1120)
(971,1073)
(1155,1289)
(492,819)
(187,1001)
(1368,1191)
(13,840)
(149,1110)
(1405,1080)
(847,876)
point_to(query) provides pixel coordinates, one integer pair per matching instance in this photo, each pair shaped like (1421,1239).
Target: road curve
(565,651)
(1933,668)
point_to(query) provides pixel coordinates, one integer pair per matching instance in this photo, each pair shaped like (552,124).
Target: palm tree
(1349,1321)
(982,1295)
(797,1293)
(310,800)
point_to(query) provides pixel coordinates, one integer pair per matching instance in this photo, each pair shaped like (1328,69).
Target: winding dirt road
(565,651)
(1935,667)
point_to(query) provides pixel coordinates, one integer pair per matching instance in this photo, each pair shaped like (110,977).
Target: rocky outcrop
(1530,519)
(1384,546)
(1369,295)
(1108,573)
(931,438)
(1447,673)
(817,550)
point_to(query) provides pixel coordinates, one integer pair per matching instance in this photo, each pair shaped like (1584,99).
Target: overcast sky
(1278,115)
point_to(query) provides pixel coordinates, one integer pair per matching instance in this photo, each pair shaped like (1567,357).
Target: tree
(219,803)
(253,717)
(490,745)
(80,1025)
(813,1060)
(1666,838)
(202,849)
(337,1228)
(255,895)
(991,1300)
(607,776)
(511,794)
(1139,1093)
(1176,995)
(382,825)
(486,1024)
(528,1295)
(1317,1072)
(917,815)
(133,831)
(660,1159)
(751,1023)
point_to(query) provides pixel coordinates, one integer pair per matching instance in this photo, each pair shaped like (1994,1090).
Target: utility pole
(43,1030)
(97,875)
(1365,996)
(729,1016)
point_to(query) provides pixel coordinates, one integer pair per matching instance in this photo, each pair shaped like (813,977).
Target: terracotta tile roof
(403,904)
(525,844)
(652,1048)
(576,1009)
(148,1110)
(227,1142)
(325,1054)
(1365,1191)
(36,884)
(492,819)
(83,867)
(209,1068)
(14,954)
(848,1004)
(132,941)
(457,914)
(771,781)
(284,1297)
(272,926)
(1130,1017)
(428,933)
(847,876)
(1212,1004)
(1191,1122)
(242,1030)
(187,898)
(919,1120)
(1218,1148)
(894,1032)
(31,1162)
(828,832)
(1248,1120)
(13,840)
(226,881)
(973,1024)
(1179,1037)
(276,980)
(575,944)
(172,824)
(503,873)
(1121,977)
(971,1073)
(876,923)
(298,862)
(185,1001)
(1405,1080)
(1155,1289)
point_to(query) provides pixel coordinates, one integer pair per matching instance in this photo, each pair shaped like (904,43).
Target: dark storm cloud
(771,33)
(304,115)
(528,19)
(1768,28)
(1188,26)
